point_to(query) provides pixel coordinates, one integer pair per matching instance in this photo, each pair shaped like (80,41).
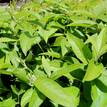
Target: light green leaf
(103,79)
(98,43)
(55,92)
(99,97)
(46,33)
(73,91)
(93,71)
(26,41)
(49,66)
(92,39)
(5,39)
(62,42)
(8,103)
(4,15)
(21,74)
(14,89)
(77,46)
(65,70)
(46,66)
(51,53)
(13,57)
(103,50)
(83,23)
(6,72)
(36,99)
(26,97)
(102,39)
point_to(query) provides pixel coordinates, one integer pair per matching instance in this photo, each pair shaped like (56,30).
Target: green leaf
(83,23)
(73,91)
(26,97)
(5,39)
(36,99)
(21,74)
(14,89)
(77,47)
(103,78)
(47,66)
(62,42)
(101,82)
(8,103)
(55,92)
(93,71)
(65,70)
(13,57)
(92,39)
(26,41)
(6,72)
(51,53)
(98,43)
(99,97)
(45,34)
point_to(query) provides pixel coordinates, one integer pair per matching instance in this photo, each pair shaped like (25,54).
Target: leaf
(92,39)
(36,99)
(55,92)
(26,41)
(13,57)
(102,39)
(21,74)
(51,53)
(65,70)
(6,72)
(87,52)
(103,78)
(83,23)
(73,91)
(77,46)
(8,103)
(26,97)
(14,89)
(46,33)
(93,71)
(47,66)
(5,39)
(99,97)
(4,15)
(99,43)
(101,82)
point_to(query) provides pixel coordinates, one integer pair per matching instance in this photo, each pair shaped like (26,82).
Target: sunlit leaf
(93,71)
(55,92)
(26,97)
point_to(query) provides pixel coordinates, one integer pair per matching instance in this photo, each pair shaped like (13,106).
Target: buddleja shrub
(53,53)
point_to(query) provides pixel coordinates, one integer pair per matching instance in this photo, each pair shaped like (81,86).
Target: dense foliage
(53,53)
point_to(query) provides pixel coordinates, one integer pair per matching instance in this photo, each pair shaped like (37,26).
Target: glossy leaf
(26,41)
(4,39)
(36,99)
(77,46)
(47,33)
(55,92)
(65,70)
(100,99)
(93,71)
(26,97)
(8,103)
(98,43)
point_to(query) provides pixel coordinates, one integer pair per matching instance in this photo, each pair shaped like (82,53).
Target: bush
(53,53)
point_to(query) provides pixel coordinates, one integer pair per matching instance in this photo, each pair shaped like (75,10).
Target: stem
(40,47)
